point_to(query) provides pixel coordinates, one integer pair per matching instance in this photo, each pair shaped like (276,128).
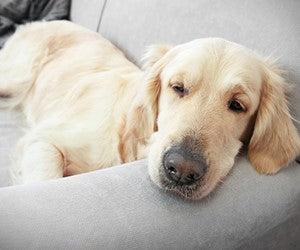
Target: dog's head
(208,97)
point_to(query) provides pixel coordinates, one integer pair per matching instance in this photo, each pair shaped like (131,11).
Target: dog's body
(87,107)
(75,91)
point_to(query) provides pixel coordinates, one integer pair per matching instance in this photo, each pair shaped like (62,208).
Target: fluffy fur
(87,107)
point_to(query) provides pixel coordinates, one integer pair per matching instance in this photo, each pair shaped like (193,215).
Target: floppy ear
(275,141)
(140,121)
(154,53)
(153,67)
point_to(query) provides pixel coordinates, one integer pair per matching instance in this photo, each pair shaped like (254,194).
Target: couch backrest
(269,27)
(87,12)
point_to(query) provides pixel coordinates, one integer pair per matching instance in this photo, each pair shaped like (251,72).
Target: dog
(189,111)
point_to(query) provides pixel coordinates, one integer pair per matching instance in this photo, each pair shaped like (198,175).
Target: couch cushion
(271,28)
(86,12)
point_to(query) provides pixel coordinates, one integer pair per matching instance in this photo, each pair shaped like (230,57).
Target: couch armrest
(120,208)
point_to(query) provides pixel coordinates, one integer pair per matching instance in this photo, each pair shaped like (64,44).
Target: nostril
(172,170)
(170,166)
(192,177)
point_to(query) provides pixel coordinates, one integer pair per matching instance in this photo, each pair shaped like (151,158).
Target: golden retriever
(189,111)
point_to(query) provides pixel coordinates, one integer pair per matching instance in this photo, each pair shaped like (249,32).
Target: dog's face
(208,97)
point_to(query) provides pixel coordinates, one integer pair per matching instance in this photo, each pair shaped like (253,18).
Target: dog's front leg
(40,161)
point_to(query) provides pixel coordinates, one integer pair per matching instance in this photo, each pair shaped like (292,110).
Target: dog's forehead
(213,53)
(213,60)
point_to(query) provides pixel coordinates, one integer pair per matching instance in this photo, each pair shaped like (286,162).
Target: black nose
(181,167)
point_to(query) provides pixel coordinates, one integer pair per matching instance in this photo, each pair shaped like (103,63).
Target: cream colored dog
(87,107)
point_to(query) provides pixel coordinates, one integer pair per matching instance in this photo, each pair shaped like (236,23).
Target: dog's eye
(179,89)
(235,106)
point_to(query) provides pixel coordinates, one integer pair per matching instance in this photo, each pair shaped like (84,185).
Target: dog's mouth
(193,191)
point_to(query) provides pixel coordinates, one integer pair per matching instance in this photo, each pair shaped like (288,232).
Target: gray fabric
(16,12)
(87,12)
(270,27)
(283,236)
(119,208)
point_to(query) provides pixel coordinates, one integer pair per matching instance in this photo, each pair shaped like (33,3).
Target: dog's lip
(193,195)
(190,192)
(180,193)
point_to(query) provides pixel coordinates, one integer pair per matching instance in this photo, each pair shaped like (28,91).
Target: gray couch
(119,208)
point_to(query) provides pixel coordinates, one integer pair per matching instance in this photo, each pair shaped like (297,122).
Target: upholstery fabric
(15,12)
(87,12)
(120,208)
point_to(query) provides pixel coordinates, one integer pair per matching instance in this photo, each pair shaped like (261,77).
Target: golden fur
(87,107)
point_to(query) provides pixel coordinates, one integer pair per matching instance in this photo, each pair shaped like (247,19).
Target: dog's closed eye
(235,106)
(179,89)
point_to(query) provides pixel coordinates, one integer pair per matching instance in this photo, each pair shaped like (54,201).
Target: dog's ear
(275,141)
(140,121)
(154,63)
(154,53)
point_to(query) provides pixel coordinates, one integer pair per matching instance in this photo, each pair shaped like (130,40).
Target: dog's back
(36,45)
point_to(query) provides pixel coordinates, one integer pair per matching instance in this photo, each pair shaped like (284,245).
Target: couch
(119,207)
